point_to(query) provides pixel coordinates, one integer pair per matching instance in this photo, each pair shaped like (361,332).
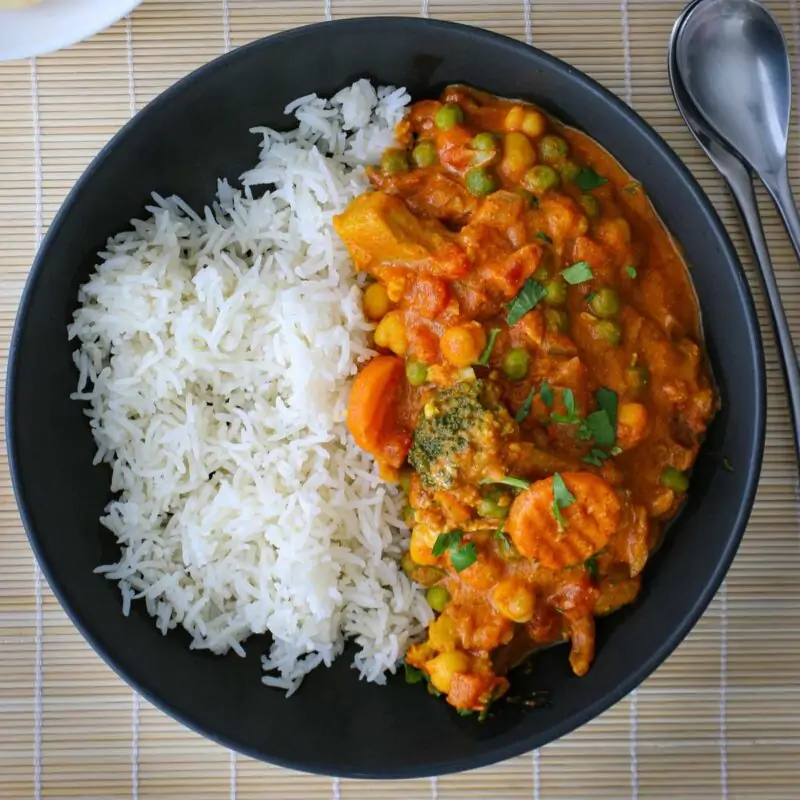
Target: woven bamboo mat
(720,719)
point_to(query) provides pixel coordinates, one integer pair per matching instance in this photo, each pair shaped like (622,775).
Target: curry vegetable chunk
(540,393)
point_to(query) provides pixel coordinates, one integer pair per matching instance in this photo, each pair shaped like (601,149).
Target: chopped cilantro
(484,359)
(464,557)
(599,428)
(587,179)
(461,556)
(446,541)
(608,400)
(544,237)
(591,567)
(561,494)
(509,480)
(528,298)
(525,408)
(631,271)
(546,393)
(413,675)
(579,272)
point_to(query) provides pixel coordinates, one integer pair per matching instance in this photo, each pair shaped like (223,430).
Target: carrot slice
(372,410)
(588,522)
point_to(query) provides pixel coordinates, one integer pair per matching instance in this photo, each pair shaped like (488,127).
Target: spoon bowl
(734,63)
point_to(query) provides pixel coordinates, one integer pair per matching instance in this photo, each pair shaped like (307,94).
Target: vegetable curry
(540,391)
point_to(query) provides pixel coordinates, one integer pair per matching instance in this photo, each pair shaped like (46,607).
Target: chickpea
(391,333)
(421,546)
(442,668)
(518,154)
(463,345)
(514,600)
(614,232)
(534,123)
(631,424)
(376,301)
(513,120)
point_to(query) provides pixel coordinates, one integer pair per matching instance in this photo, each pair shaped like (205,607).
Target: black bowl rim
(635,678)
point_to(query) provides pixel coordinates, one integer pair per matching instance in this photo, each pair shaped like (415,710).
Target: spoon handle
(744,195)
(780,189)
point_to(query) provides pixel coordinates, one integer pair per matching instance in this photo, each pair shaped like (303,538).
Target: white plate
(53,24)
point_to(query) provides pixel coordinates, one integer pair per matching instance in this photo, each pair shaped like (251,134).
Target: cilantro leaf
(591,567)
(446,541)
(591,296)
(580,272)
(608,400)
(569,401)
(560,521)
(484,359)
(546,393)
(509,480)
(587,179)
(528,298)
(593,460)
(464,712)
(544,237)
(600,428)
(413,675)
(464,557)
(631,271)
(561,494)
(525,408)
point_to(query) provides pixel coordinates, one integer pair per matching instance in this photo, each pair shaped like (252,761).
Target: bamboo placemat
(721,718)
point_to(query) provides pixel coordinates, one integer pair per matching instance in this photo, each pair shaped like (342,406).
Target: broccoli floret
(443,431)
(457,423)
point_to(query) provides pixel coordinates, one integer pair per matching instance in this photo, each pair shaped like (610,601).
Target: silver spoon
(734,64)
(740,183)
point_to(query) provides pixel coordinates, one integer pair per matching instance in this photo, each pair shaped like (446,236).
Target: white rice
(216,356)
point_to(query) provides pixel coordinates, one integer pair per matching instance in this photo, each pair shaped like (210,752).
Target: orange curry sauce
(541,392)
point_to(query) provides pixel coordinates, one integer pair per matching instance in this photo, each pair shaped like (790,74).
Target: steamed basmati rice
(216,354)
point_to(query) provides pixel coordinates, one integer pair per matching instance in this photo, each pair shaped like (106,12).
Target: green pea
(405,480)
(448,116)
(605,303)
(637,377)
(438,597)
(542,274)
(492,509)
(569,170)
(425,153)
(556,320)
(540,178)
(480,182)
(556,293)
(485,142)
(591,205)
(416,372)
(553,149)
(674,479)
(407,564)
(393,161)
(609,330)
(515,363)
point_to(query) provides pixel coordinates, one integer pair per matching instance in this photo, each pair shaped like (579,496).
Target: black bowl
(181,143)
